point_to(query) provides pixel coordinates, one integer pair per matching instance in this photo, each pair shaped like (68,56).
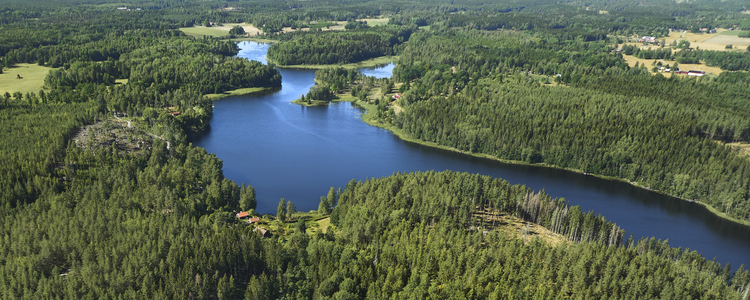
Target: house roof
(253,220)
(262,230)
(243,214)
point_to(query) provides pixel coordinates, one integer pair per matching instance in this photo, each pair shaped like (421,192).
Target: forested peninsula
(539,99)
(104,196)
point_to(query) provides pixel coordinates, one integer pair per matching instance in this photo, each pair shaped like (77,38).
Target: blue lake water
(298,153)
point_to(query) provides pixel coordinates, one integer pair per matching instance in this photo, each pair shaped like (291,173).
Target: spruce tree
(281,210)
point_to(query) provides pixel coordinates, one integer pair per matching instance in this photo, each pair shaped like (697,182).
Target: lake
(297,153)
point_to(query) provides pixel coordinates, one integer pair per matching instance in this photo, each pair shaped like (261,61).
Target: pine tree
(247,198)
(281,210)
(323,206)
(290,209)
(331,199)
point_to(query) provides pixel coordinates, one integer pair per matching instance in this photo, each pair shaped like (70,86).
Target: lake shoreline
(401,135)
(242,92)
(330,146)
(370,63)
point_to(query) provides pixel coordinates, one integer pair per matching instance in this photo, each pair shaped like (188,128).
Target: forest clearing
(32,78)
(200,31)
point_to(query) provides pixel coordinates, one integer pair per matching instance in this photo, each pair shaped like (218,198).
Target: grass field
(250,30)
(375,21)
(328,26)
(323,224)
(32,78)
(730,38)
(710,41)
(631,60)
(200,31)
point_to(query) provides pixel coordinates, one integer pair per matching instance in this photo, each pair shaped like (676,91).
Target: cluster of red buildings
(245,215)
(690,73)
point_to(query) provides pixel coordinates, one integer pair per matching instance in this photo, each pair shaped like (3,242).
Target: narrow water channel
(298,153)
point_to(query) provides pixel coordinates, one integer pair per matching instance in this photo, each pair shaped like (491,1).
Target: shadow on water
(294,152)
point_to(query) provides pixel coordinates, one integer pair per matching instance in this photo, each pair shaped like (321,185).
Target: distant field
(730,38)
(32,78)
(631,60)
(375,22)
(250,30)
(219,31)
(200,31)
(706,41)
(700,67)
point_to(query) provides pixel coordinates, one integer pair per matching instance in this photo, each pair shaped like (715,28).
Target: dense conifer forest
(103,196)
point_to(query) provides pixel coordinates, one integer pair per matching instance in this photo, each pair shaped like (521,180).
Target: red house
(242,215)
(253,220)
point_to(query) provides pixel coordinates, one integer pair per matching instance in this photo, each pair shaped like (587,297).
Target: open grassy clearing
(700,67)
(239,92)
(632,60)
(378,61)
(375,21)
(738,43)
(329,26)
(32,78)
(250,30)
(200,31)
(323,224)
(313,220)
(708,41)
